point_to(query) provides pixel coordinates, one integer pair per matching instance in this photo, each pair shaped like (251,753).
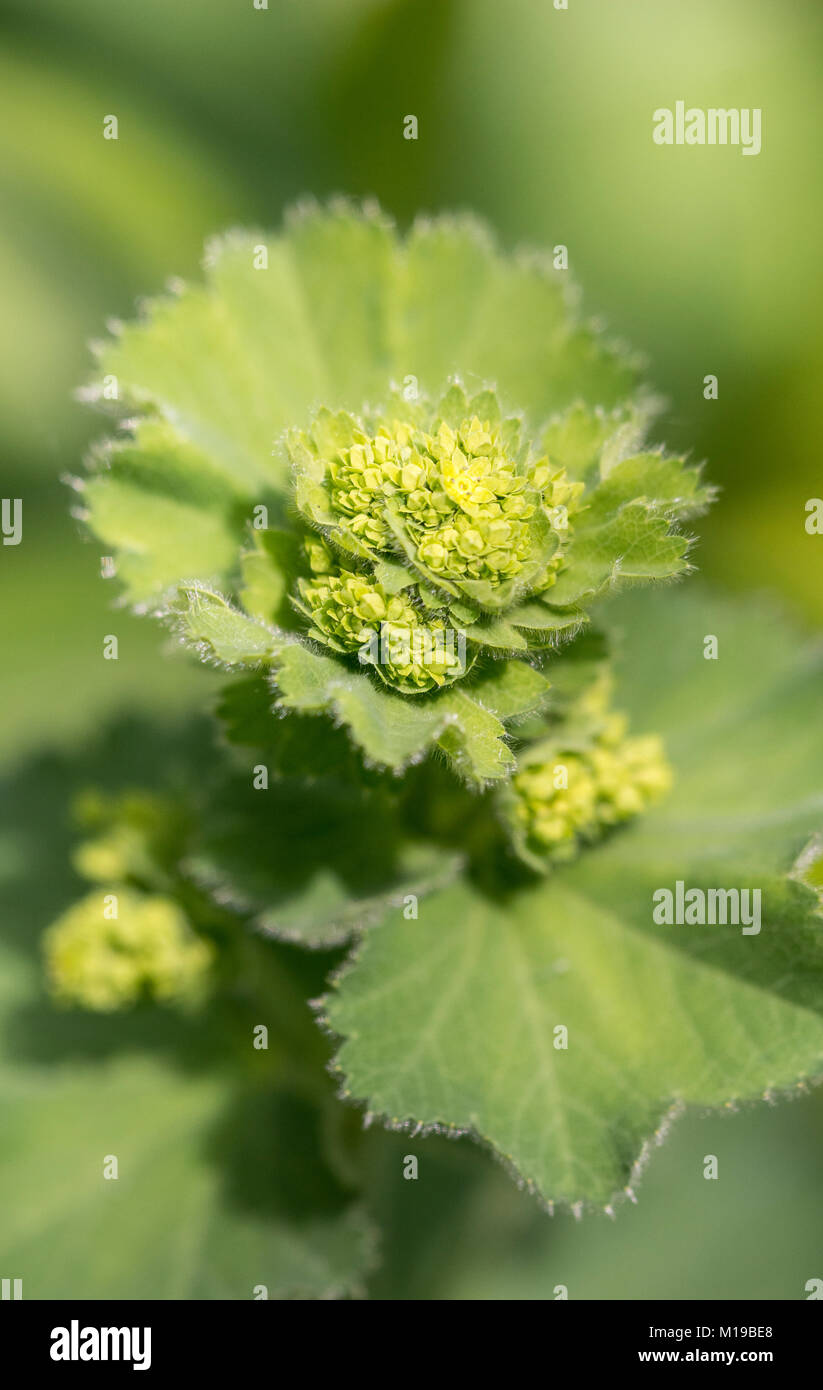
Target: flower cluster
(456,493)
(452,501)
(353,543)
(571,798)
(146,952)
(459,498)
(354,614)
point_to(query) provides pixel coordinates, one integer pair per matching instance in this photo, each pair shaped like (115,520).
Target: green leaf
(346,263)
(186,1105)
(530,626)
(465,723)
(200,1242)
(623,533)
(808,867)
(210,623)
(394,731)
(664,484)
(166,511)
(510,689)
(311,861)
(546,626)
(587,441)
(248,711)
(337,310)
(270,571)
(464,309)
(392,575)
(326,912)
(497,635)
(573,670)
(450,1021)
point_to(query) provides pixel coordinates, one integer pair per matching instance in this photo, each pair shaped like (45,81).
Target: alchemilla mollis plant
(415,508)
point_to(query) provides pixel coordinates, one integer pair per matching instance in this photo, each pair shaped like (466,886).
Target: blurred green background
(540,120)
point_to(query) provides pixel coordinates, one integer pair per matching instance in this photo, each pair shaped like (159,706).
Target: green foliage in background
(452,1021)
(721,278)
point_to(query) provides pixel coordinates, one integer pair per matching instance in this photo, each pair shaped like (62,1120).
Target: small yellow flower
(463,502)
(574,798)
(146,951)
(354,614)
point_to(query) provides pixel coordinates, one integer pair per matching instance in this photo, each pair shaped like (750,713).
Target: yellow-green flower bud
(354,614)
(573,798)
(318,555)
(463,503)
(137,833)
(110,951)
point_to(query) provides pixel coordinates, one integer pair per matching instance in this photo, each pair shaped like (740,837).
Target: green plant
(402,494)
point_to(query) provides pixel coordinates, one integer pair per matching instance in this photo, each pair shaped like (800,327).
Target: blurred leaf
(167,1227)
(186,1104)
(312,861)
(80,233)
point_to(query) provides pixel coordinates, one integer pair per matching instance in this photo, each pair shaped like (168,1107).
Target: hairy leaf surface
(450,1021)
